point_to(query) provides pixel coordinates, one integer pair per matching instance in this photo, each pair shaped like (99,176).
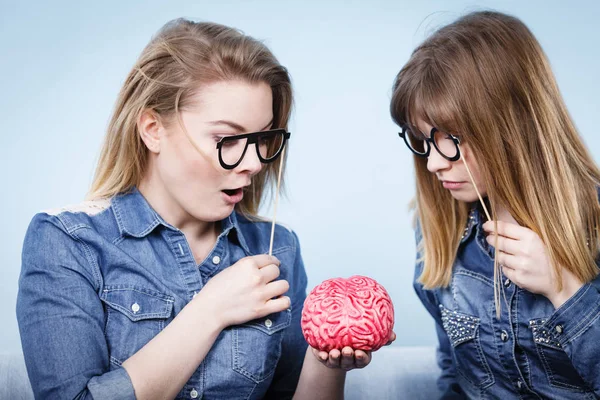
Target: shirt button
(216,260)
(519,384)
(559,328)
(504,336)
(268,323)
(507,282)
(135,308)
(193,394)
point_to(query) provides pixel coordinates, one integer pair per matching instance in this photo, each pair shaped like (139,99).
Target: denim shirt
(533,351)
(100,280)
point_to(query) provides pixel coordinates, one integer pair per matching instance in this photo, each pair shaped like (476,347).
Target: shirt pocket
(257,345)
(557,364)
(463,332)
(134,316)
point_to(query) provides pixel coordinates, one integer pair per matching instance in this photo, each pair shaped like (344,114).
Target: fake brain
(355,312)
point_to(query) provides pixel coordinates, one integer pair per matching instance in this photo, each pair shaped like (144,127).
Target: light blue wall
(350,178)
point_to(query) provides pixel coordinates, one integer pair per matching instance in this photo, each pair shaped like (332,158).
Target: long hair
(486,77)
(183,56)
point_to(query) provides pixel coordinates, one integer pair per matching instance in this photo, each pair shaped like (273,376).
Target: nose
(250,163)
(435,161)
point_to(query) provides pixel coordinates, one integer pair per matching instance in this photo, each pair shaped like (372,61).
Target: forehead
(248,104)
(421,125)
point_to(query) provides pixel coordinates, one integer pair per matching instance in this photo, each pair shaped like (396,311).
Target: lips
(451,185)
(233,196)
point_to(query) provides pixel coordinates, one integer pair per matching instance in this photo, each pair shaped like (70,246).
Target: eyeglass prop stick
(355,312)
(487,214)
(497,267)
(276,201)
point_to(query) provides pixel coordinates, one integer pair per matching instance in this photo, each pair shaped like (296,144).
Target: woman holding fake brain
(508,214)
(160,286)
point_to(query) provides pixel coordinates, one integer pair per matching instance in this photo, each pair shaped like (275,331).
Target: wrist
(208,312)
(569,288)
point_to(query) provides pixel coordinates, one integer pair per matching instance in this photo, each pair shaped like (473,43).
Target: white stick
(276,201)
(487,214)
(497,281)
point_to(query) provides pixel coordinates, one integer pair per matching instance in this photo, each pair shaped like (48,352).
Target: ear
(150,130)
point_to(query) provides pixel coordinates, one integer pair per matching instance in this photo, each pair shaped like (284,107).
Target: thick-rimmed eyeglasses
(269,145)
(446,144)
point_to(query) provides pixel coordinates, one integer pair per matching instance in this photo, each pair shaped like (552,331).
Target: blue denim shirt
(100,280)
(532,352)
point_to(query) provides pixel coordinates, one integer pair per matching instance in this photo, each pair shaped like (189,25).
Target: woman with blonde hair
(507,214)
(161,286)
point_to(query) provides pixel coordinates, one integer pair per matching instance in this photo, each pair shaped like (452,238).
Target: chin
(223,212)
(465,197)
(216,214)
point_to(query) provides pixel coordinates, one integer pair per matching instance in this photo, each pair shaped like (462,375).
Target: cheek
(201,172)
(205,172)
(184,166)
(472,163)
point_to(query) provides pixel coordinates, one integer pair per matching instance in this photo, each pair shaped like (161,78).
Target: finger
(510,274)
(506,229)
(320,355)
(334,359)
(363,358)
(269,273)
(262,260)
(504,244)
(323,356)
(347,362)
(508,260)
(391,339)
(276,288)
(275,305)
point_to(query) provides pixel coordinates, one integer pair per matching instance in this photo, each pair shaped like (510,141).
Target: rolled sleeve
(112,385)
(575,327)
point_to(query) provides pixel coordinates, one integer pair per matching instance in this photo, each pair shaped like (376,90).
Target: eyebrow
(236,126)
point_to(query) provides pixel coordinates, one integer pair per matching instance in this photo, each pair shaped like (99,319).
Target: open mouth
(232,192)
(233,196)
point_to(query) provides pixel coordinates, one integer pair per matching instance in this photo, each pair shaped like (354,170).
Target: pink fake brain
(355,312)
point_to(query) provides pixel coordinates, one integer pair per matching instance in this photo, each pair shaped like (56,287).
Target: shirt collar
(135,217)
(230,226)
(473,220)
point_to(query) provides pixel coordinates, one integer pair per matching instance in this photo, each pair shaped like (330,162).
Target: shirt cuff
(112,385)
(574,316)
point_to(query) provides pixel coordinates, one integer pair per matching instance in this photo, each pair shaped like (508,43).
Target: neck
(505,216)
(201,235)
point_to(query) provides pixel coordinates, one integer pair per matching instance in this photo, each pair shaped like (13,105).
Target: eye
(229,143)
(415,134)
(459,137)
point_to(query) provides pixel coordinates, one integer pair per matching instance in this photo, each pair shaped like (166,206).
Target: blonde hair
(486,77)
(183,56)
